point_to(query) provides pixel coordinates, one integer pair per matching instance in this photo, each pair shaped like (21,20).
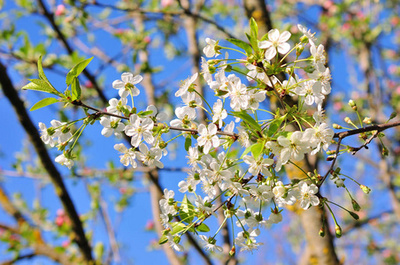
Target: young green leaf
(253,42)
(76,89)
(40,85)
(163,240)
(275,125)
(248,119)
(43,103)
(187,210)
(253,28)
(188,143)
(257,149)
(202,228)
(177,227)
(40,70)
(241,44)
(77,70)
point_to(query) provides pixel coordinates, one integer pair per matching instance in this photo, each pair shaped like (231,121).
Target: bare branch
(55,176)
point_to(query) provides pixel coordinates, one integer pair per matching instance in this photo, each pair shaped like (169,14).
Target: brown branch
(101,112)
(361,223)
(184,11)
(11,93)
(18,258)
(378,127)
(50,17)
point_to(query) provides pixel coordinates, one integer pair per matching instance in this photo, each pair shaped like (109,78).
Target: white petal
(273,35)
(285,36)
(126,77)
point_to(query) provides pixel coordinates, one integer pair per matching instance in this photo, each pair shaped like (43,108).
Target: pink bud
(122,190)
(149,225)
(147,39)
(60,10)
(166,3)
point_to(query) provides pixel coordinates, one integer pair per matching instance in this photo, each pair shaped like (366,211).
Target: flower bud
(338,231)
(304,39)
(162,144)
(232,252)
(365,189)
(393,115)
(299,50)
(331,152)
(385,151)
(367,120)
(330,158)
(347,120)
(352,104)
(336,126)
(354,215)
(321,232)
(355,204)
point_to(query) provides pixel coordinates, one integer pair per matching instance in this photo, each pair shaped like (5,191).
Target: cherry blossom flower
(318,56)
(47,134)
(118,107)
(127,155)
(238,95)
(112,125)
(138,128)
(307,195)
(208,137)
(183,89)
(307,33)
(258,166)
(276,41)
(127,84)
(211,49)
(209,244)
(310,92)
(150,157)
(65,160)
(219,113)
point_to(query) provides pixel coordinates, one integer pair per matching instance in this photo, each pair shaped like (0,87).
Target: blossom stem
(330,210)
(302,170)
(170,140)
(220,227)
(232,49)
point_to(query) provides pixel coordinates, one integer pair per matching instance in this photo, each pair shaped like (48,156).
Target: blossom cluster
(266,140)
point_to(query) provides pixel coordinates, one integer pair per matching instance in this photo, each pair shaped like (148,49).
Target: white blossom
(276,41)
(127,84)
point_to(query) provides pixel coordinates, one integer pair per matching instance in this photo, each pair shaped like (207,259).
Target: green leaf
(177,227)
(257,149)
(241,44)
(246,151)
(187,210)
(253,42)
(163,240)
(248,119)
(188,143)
(40,85)
(77,70)
(203,228)
(253,28)
(275,125)
(144,113)
(43,103)
(40,70)
(76,89)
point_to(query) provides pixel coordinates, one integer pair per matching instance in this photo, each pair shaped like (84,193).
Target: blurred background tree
(102,212)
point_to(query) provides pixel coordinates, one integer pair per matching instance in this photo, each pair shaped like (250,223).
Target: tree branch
(55,176)
(67,46)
